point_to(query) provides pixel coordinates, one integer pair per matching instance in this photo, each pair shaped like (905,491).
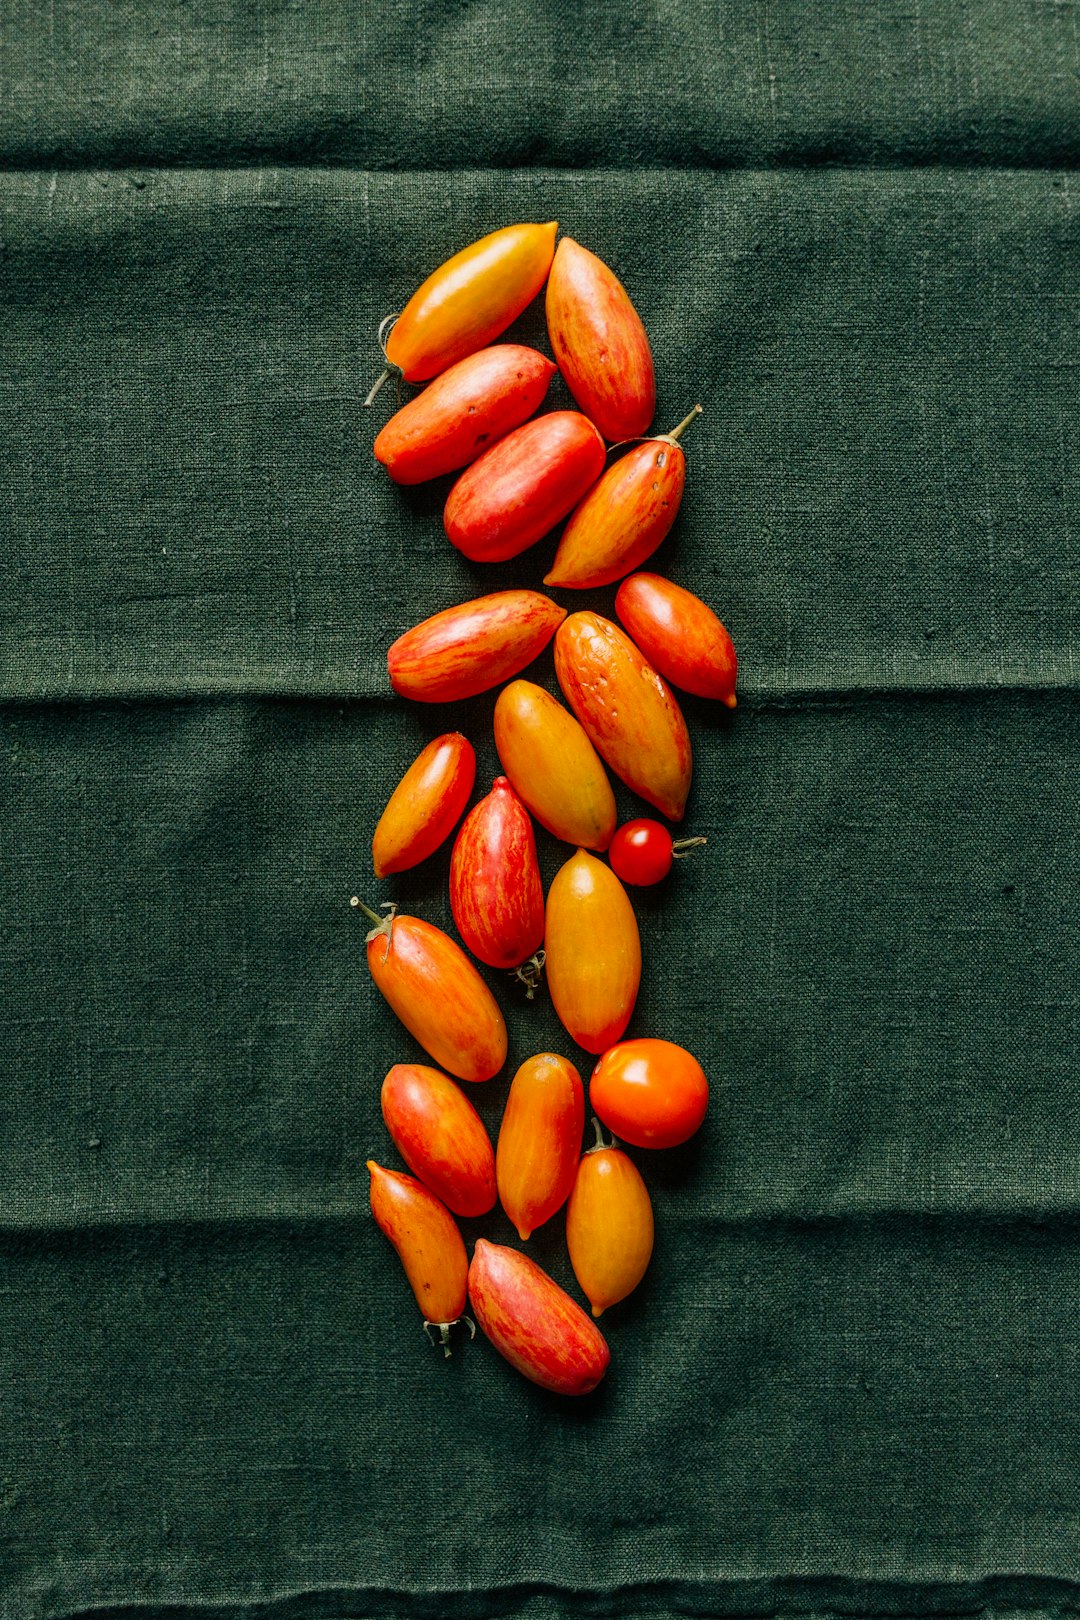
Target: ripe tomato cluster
(519,476)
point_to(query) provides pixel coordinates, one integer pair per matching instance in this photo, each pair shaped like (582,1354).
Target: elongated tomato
(463,412)
(523,486)
(625,516)
(424,808)
(651,1093)
(609,1226)
(496,894)
(470,299)
(593,952)
(468,648)
(679,635)
(437,993)
(440,1136)
(554,767)
(534,1323)
(539,1140)
(427,1240)
(600,343)
(627,709)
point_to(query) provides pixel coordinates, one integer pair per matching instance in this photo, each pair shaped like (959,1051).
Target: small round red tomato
(652,1094)
(642,851)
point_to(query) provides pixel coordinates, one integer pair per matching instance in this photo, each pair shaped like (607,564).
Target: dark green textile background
(849,1383)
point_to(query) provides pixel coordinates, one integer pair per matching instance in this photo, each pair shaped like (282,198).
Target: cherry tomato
(642,851)
(652,1094)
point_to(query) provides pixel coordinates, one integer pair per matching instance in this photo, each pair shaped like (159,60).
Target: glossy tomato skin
(534,1323)
(600,343)
(522,487)
(496,894)
(642,852)
(652,1094)
(470,299)
(679,635)
(439,996)
(426,805)
(609,1227)
(539,1141)
(593,951)
(440,1136)
(554,767)
(623,518)
(463,413)
(629,713)
(427,1241)
(471,647)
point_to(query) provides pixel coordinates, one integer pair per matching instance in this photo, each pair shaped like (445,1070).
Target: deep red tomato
(651,1093)
(642,851)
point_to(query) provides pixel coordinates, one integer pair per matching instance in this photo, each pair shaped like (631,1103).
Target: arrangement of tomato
(519,476)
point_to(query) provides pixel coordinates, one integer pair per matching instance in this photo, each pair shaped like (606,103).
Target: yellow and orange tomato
(439,996)
(426,805)
(470,299)
(609,1226)
(593,952)
(554,767)
(539,1140)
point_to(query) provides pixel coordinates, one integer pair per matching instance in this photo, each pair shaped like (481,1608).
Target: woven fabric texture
(848,1383)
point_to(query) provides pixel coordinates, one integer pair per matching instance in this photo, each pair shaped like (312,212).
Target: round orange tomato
(652,1094)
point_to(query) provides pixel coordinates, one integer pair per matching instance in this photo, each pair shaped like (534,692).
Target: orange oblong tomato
(440,1136)
(625,516)
(463,412)
(476,645)
(627,709)
(653,1094)
(522,487)
(496,894)
(439,996)
(609,1226)
(593,951)
(470,299)
(679,635)
(534,1323)
(425,806)
(600,343)
(539,1140)
(554,767)
(428,1244)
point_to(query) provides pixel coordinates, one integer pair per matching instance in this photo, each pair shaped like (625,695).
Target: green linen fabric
(848,1383)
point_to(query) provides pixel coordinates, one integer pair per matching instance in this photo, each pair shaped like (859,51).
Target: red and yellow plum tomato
(427,1241)
(522,487)
(439,996)
(463,413)
(534,1323)
(679,635)
(440,1136)
(426,805)
(496,894)
(539,1140)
